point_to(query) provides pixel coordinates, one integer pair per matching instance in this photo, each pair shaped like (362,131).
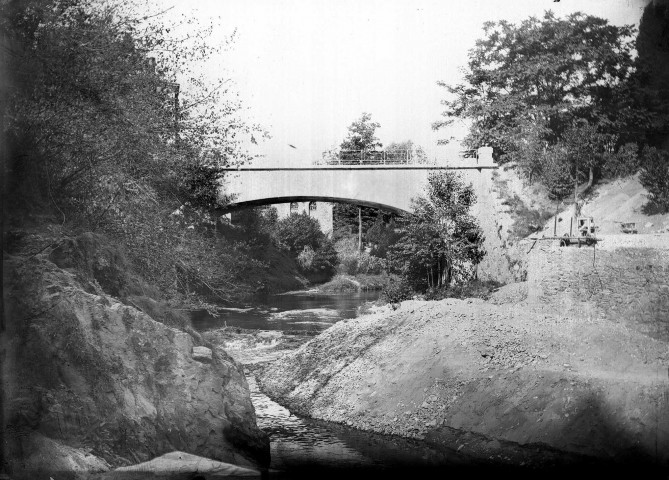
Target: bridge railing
(384,157)
(372,157)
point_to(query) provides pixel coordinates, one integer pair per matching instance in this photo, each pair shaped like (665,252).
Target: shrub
(396,291)
(353,262)
(306,258)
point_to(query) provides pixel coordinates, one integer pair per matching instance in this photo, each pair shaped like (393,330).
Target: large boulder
(105,378)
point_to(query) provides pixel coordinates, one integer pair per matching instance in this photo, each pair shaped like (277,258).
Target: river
(299,443)
(303,310)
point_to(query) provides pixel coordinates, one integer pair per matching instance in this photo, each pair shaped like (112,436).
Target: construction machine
(585,233)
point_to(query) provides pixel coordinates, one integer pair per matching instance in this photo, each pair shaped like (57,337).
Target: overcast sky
(305,69)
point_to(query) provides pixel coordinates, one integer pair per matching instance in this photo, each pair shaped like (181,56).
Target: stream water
(299,443)
(304,310)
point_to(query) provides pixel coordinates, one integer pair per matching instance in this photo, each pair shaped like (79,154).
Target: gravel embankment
(486,375)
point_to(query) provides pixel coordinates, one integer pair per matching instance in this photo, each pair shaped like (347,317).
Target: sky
(306,69)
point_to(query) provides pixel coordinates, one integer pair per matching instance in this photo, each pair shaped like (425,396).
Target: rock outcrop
(86,372)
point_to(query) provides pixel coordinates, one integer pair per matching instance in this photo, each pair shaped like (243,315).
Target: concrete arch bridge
(380,184)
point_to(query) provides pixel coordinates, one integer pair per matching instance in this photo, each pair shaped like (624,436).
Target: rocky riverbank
(509,375)
(91,382)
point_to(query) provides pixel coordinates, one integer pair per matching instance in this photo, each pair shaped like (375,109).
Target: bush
(371,265)
(655,178)
(396,291)
(353,262)
(306,258)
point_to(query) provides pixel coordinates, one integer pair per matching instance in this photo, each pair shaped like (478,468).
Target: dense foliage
(655,177)
(99,132)
(649,85)
(546,72)
(302,235)
(381,236)
(297,231)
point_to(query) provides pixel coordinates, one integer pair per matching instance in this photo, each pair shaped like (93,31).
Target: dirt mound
(533,375)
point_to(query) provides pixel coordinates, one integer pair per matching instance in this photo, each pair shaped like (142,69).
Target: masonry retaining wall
(629,285)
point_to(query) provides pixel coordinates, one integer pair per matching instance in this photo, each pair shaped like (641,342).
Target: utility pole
(360,229)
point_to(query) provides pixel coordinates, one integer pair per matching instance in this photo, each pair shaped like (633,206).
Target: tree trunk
(591,178)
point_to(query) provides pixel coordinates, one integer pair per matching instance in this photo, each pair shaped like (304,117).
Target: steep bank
(556,363)
(91,383)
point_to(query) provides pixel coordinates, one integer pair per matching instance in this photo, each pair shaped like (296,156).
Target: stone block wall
(628,285)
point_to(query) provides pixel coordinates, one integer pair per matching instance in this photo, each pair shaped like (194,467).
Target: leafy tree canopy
(546,72)
(650,83)
(361,134)
(655,178)
(99,132)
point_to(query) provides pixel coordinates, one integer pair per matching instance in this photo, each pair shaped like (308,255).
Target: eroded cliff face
(86,374)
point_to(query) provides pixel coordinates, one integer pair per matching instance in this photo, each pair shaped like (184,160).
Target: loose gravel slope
(487,377)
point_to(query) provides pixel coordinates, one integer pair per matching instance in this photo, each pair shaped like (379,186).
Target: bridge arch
(235,205)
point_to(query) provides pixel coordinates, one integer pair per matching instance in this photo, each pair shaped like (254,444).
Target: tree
(297,231)
(655,178)
(547,72)
(649,85)
(440,239)
(361,135)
